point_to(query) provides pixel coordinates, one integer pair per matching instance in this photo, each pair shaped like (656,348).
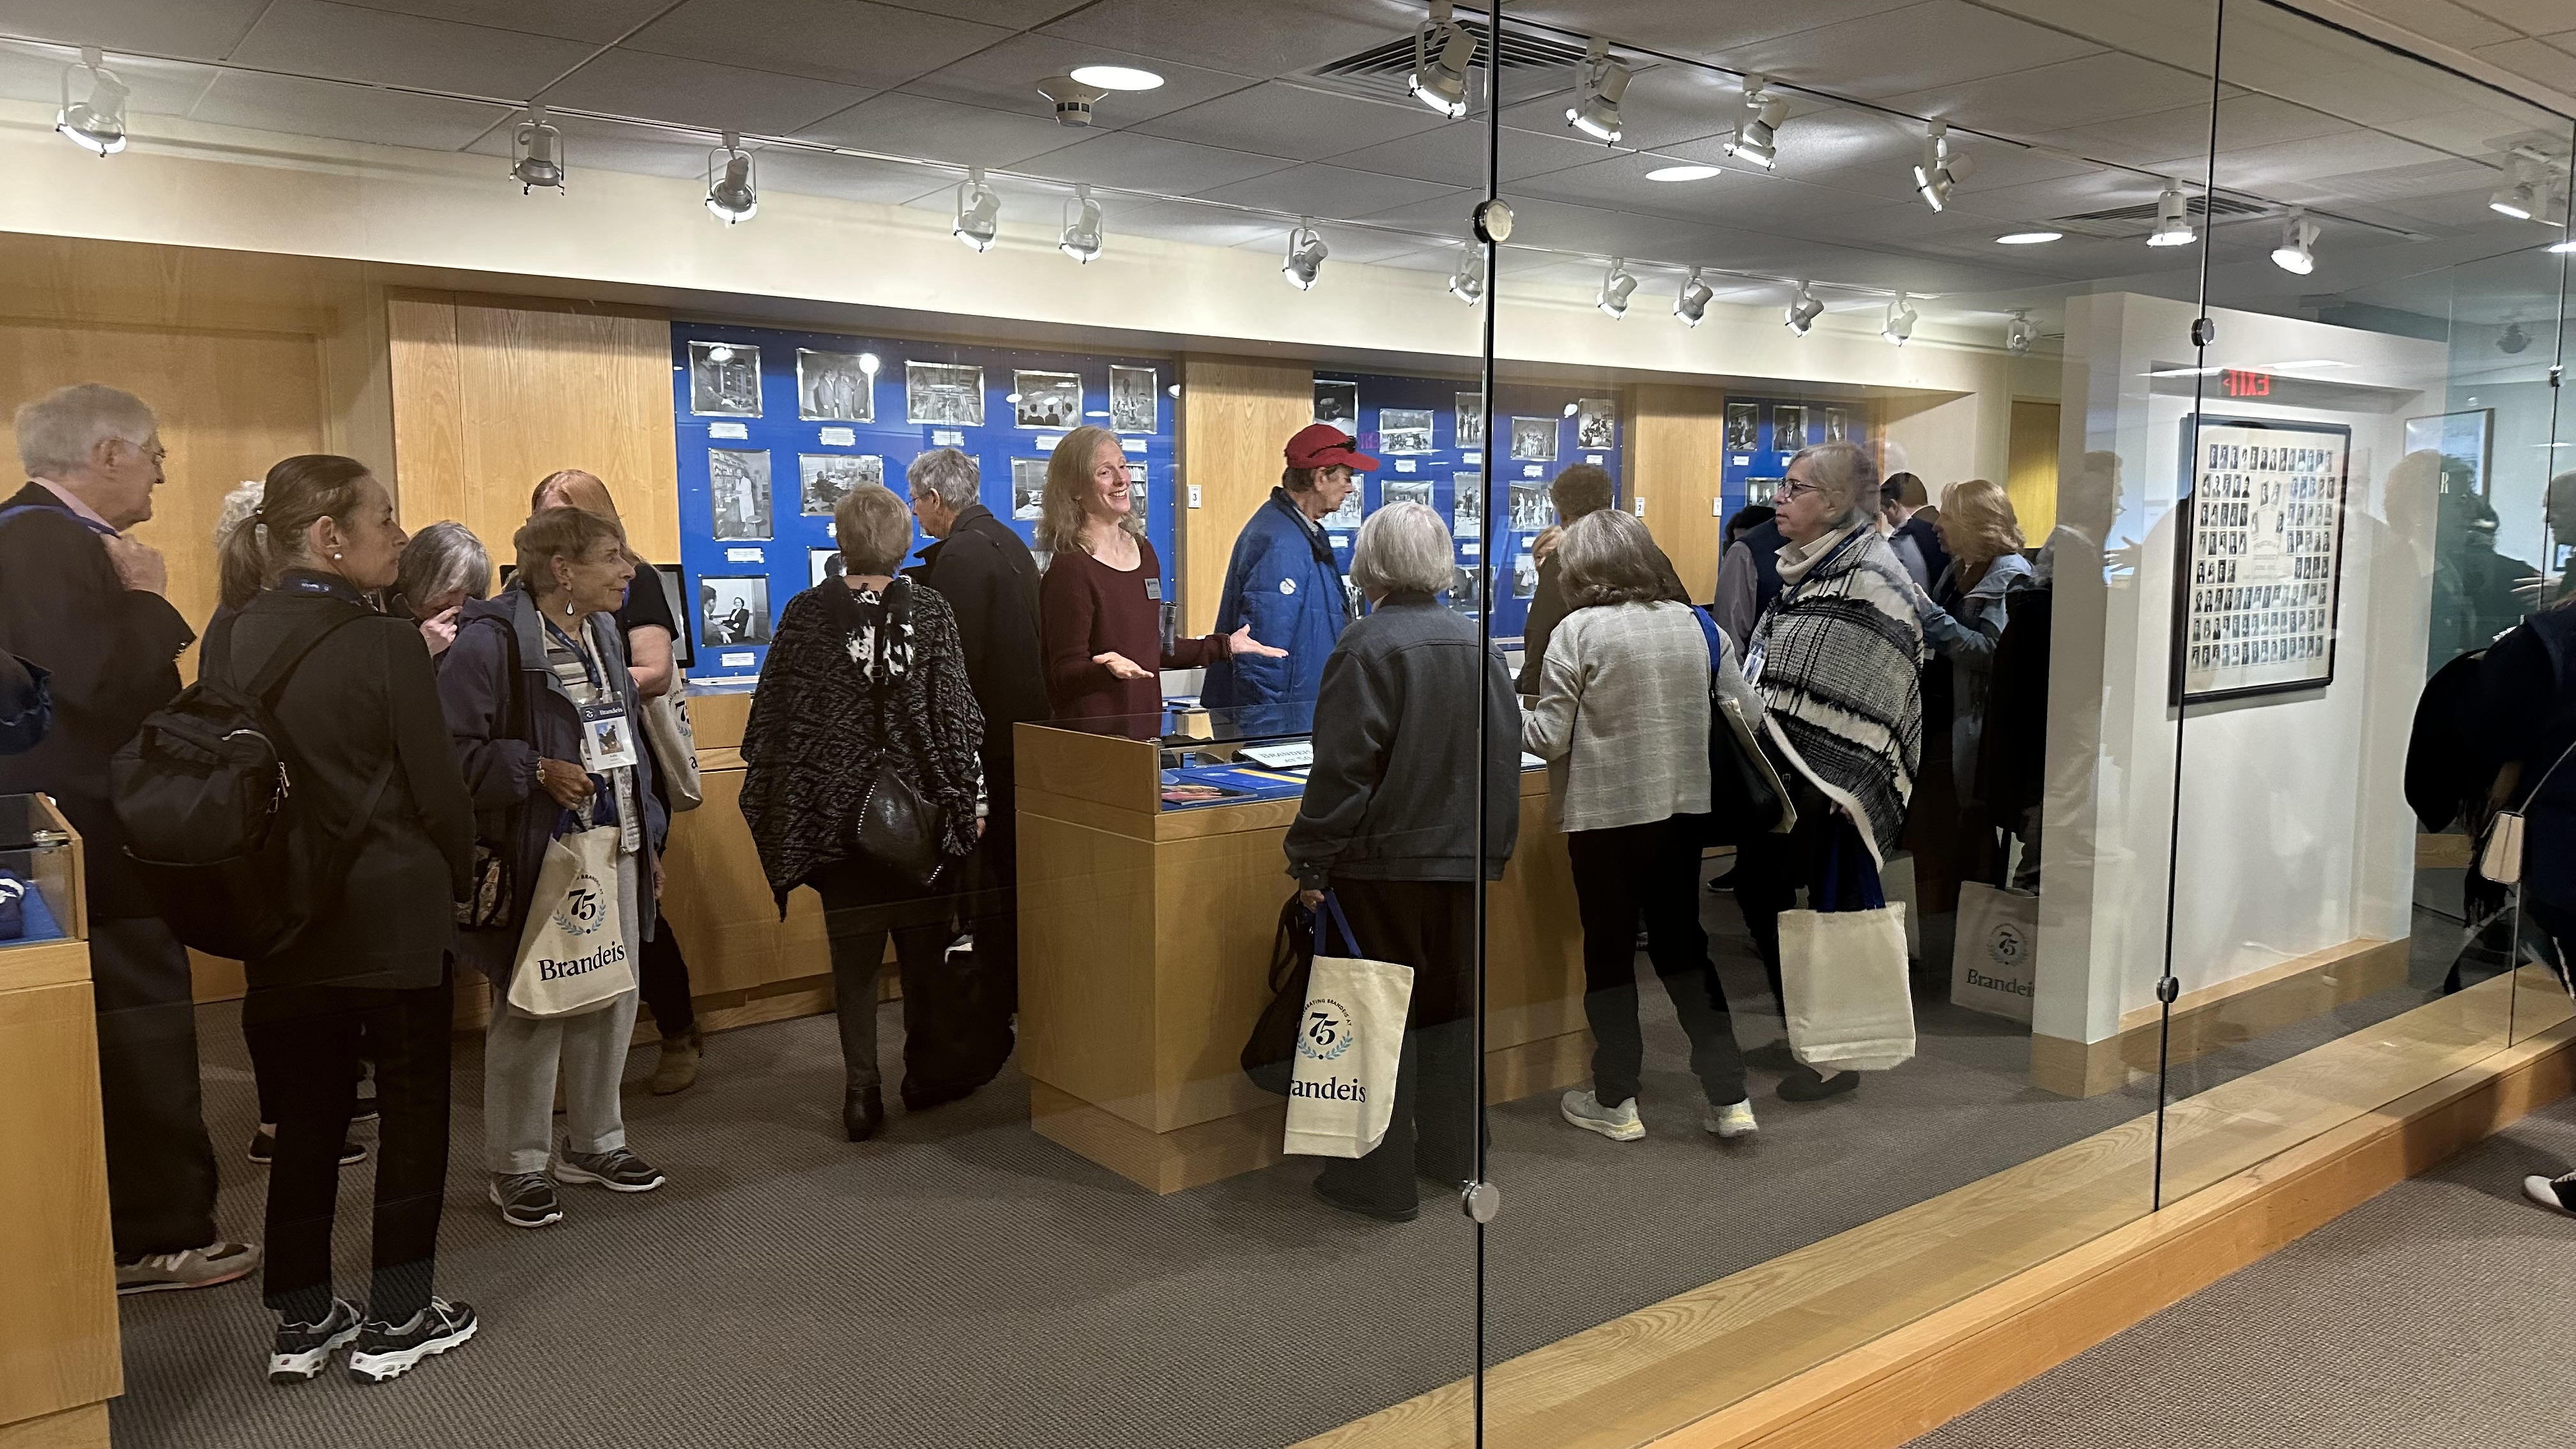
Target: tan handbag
(2501,860)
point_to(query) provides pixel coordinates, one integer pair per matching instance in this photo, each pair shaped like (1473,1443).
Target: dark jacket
(820,729)
(1284,582)
(112,652)
(505,711)
(990,581)
(1546,611)
(2524,709)
(26,706)
(1927,541)
(1392,792)
(365,698)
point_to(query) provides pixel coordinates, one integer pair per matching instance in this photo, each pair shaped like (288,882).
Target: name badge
(1154,589)
(607,740)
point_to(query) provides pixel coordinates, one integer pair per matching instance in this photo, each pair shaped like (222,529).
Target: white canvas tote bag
(572,953)
(1350,1040)
(1843,972)
(1994,967)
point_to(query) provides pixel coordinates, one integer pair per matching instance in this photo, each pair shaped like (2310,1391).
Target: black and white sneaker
(387,1351)
(304,1349)
(2558,1194)
(263,1149)
(526,1200)
(617,1169)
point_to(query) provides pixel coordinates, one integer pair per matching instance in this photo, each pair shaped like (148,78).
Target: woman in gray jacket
(1622,719)
(1388,826)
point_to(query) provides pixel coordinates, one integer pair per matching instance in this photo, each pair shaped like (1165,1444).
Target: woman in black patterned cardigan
(866,674)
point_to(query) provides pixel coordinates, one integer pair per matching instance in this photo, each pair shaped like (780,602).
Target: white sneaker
(1735,1119)
(1619,1124)
(2558,1194)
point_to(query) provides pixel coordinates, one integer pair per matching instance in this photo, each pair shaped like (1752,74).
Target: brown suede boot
(679,1065)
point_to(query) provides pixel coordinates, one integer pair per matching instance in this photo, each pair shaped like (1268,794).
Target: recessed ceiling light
(2565,246)
(1116,77)
(2027,238)
(1683,173)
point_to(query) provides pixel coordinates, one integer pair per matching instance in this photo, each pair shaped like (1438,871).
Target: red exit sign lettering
(2240,383)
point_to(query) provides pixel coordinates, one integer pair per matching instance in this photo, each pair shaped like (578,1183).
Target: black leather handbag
(1746,797)
(898,829)
(1269,1057)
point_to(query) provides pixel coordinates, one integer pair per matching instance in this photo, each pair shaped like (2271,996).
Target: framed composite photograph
(1471,420)
(1407,490)
(738,494)
(1352,513)
(824,479)
(1837,426)
(724,380)
(1534,440)
(733,611)
(1596,423)
(943,394)
(2255,601)
(1467,505)
(825,563)
(1404,430)
(1743,427)
(835,387)
(2465,440)
(1046,399)
(1135,399)
(1338,403)
(1028,489)
(1532,510)
(1788,427)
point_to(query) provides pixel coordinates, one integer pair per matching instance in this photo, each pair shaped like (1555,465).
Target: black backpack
(237,852)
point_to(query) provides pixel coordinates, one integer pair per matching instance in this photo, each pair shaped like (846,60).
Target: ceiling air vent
(1533,65)
(2121,222)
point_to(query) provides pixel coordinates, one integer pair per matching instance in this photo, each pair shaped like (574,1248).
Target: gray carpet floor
(962,1281)
(2433,1315)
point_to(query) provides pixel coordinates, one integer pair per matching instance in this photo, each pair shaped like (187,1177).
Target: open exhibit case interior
(2210,925)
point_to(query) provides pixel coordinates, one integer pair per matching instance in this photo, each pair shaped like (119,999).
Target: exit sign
(2237,382)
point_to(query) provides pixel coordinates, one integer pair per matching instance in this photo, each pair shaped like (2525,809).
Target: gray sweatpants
(520,1054)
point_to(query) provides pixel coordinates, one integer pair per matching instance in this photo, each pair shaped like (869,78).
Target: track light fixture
(2173,219)
(536,152)
(2297,252)
(1072,99)
(1306,254)
(1803,311)
(1467,280)
(1757,131)
(1900,321)
(732,194)
(1941,167)
(2513,340)
(1616,286)
(96,122)
(2020,333)
(1443,52)
(1691,303)
(1599,82)
(1080,239)
(979,212)
(2519,197)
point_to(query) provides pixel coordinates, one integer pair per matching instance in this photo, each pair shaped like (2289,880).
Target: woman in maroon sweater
(1100,604)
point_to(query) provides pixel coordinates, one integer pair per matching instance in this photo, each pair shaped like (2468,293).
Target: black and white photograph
(1136,485)
(1788,427)
(733,611)
(824,479)
(1761,490)
(724,380)
(1028,489)
(825,563)
(1407,490)
(1596,423)
(1352,513)
(1466,506)
(1338,403)
(1404,430)
(945,394)
(1046,399)
(1837,426)
(1471,420)
(835,387)
(738,489)
(1531,510)
(1524,576)
(1135,399)
(2258,584)
(1534,440)
(1743,427)
(1467,587)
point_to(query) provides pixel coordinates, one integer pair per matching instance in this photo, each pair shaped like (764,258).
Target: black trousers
(1431,927)
(1653,869)
(990,906)
(662,978)
(305,1040)
(1771,869)
(160,1163)
(949,1045)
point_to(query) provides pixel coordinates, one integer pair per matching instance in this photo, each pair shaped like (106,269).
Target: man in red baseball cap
(1283,579)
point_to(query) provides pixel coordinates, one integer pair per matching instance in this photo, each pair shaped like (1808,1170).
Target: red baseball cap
(1321,445)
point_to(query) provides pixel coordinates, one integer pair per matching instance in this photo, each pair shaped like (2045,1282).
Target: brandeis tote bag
(1994,965)
(572,952)
(1843,972)
(1350,1039)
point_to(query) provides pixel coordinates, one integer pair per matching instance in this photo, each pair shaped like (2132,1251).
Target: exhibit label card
(2257,596)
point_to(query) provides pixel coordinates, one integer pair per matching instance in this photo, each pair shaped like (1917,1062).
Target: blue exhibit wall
(1556,407)
(785,556)
(1773,445)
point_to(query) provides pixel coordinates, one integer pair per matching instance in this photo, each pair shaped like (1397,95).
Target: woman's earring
(335,558)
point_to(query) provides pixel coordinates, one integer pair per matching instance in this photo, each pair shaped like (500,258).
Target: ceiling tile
(1150,163)
(701,93)
(899,124)
(1215,226)
(1938,43)
(1697,28)
(1664,105)
(2536,59)
(596,21)
(1281,119)
(1321,190)
(852,42)
(850,178)
(161,87)
(1009,14)
(2451,23)
(1006,77)
(349,42)
(1259,38)
(612,146)
(197,30)
(2090,90)
(344,112)
(1454,155)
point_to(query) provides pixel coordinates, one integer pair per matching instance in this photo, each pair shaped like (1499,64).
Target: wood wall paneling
(58,1338)
(1237,414)
(1676,447)
(2031,474)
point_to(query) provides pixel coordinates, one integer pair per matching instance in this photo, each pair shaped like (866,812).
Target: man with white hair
(85,602)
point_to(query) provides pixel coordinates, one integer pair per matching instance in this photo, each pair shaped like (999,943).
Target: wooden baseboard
(2219,1016)
(82,1428)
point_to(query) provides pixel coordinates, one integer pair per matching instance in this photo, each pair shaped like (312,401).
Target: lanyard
(580,651)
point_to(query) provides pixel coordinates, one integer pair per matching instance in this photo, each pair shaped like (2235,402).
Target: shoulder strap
(25,508)
(273,675)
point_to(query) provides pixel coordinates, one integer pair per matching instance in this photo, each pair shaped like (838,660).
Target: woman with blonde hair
(1100,606)
(1965,611)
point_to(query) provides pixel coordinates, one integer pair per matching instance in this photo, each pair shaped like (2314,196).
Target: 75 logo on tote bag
(582,908)
(1328,1032)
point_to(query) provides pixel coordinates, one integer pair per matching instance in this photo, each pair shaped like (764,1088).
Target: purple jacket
(500,739)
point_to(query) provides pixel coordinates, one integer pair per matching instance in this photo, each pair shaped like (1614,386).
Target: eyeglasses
(1791,489)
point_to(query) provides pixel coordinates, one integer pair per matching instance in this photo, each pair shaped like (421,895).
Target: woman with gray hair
(1838,660)
(1387,827)
(1622,719)
(443,566)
